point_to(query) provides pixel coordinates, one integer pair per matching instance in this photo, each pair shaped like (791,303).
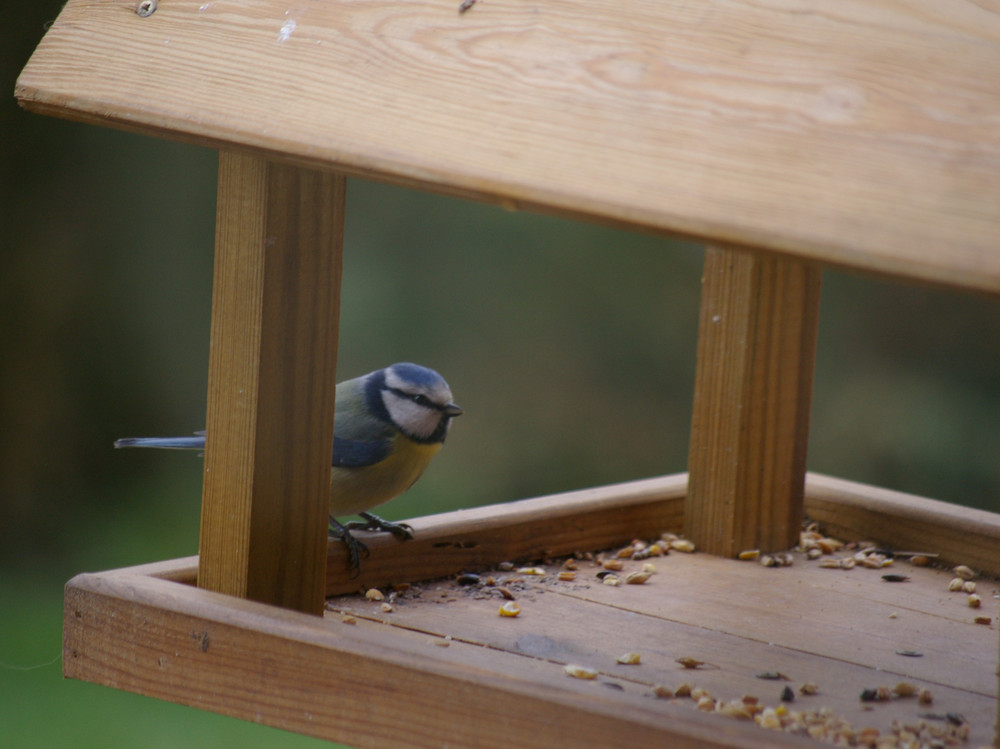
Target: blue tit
(388,424)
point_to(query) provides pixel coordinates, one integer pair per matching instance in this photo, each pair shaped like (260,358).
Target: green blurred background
(570,346)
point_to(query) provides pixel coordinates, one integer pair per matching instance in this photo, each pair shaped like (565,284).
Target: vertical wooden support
(753,388)
(272,371)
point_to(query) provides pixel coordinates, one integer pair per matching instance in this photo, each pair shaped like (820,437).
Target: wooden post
(753,388)
(272,371)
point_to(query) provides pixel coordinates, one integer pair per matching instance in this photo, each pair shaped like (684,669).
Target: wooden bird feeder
(785,135)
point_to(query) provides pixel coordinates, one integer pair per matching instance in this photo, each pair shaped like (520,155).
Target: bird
(388,425)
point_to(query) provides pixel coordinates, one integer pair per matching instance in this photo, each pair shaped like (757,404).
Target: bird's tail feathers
(168,443)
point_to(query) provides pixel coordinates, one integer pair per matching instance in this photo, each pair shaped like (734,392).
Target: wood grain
(961,535)
(858,134)
(349,684)
(528,529)
(753,388)
(272,370)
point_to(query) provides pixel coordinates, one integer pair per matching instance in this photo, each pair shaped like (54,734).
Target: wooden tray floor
(434,663)
(843,630)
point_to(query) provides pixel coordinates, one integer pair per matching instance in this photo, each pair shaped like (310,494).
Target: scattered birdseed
(348,619)
(924,697)
(895,578)
(505,592)
(964,572)
(580,672)
(374,594)
(975,601)
(749,555)
(649,567)
(920,560)
(809,688)
(531,571)
(956,584)
(468,578)
(983,620)
(910,653)
(774,675)
(969,587)
(787,695)
(510,609)
(443,642)
(663,692)
(613,565)
(566,576)
(689,662)
(682,544)
(612,580)
(683,690)
(387,607)
(628,659)
(905,689)
(637,578)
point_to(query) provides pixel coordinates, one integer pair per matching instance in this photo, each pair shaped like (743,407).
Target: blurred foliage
(570,346)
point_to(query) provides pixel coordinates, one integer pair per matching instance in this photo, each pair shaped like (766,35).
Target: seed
(924,697)
(510,609)
(787,695)
(975,601)
(705,703)
(613,580)
(735,709)
(749,555)
(348,619)
(684,690)
(773,675)
(387,607)
(768,561)
(689,662)
(809,688)
(566,576)
(443,642)
(613,564)
(956,584)
(628,659)
(848,564)
(580,672)
(682,544)
(920,560)
(663,692)
(964,572)
(895,578)
(649,567)
(505,592)
(637,578)
(769,719)
(570,564)
(626,553)
(983,620)
(531,571)
(468,578)
(814,553)
(830,563)
(698,692)
(829,545)
(905,689)
(374,594)
(969,587)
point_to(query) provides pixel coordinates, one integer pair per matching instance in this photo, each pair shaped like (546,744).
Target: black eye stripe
(418,398)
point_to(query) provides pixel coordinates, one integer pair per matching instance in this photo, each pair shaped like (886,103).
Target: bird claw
(355,548)
(373,522)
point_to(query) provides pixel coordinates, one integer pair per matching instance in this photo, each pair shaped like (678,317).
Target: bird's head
(417,401)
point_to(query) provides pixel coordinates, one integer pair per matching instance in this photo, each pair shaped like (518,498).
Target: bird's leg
(401,531)
(355,548)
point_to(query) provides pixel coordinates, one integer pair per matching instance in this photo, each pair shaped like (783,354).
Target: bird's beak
(453,409)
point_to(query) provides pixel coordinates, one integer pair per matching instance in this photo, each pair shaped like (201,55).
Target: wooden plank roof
(859,134)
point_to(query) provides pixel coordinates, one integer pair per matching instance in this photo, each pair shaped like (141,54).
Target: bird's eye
(421,399)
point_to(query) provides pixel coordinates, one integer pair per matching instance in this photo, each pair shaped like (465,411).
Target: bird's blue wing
(356,453)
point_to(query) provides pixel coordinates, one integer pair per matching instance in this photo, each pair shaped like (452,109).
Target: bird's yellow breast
(354,490)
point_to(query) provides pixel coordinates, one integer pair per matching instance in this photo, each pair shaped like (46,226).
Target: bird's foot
(373,522)
(355,548)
